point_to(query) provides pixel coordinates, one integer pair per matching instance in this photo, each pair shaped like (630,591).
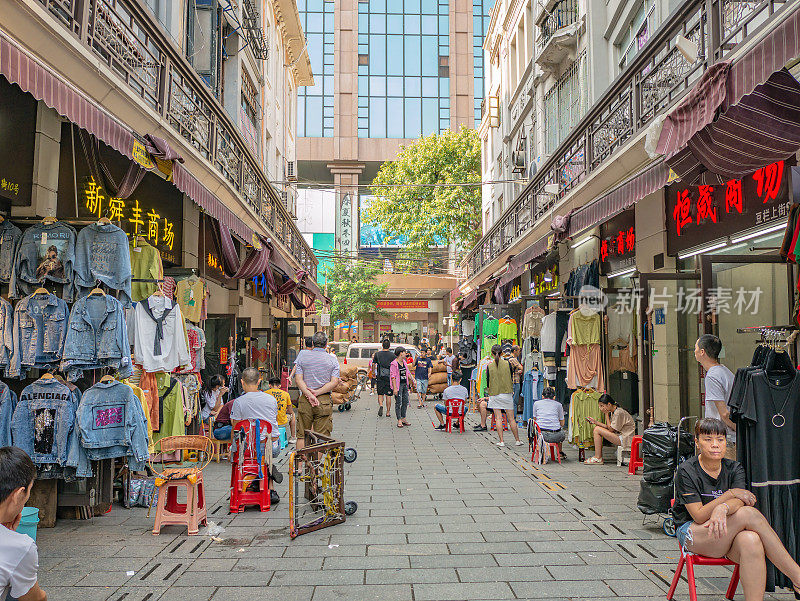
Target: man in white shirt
(454,391)
(255,404)
(718,384)
(19,558)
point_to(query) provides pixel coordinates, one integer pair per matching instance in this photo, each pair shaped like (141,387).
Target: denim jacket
(43,421)
(6,333)
(102,253)
(40,326)
(8,402)
(44,252)
(97,336)
(112,423)
(9,236)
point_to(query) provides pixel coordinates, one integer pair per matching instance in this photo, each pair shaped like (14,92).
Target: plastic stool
(169,511)
(494,421)
(636,460)
(454,409)
(284,439)
(691,560)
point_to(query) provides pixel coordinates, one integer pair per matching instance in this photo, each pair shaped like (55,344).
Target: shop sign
(257,287)
(385,328)
(618,242)
(283,303)
(17,132)
(699,214)
(402,304)
(223,355)
(325,320)
(538,283)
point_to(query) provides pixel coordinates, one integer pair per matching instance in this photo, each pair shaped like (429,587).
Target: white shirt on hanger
(174,349)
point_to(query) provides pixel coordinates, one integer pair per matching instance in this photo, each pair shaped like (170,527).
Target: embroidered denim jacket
(6,333)
(102,253)
(44,252)
(43,421)
(9,236)
(8,402)
(40,326)
(112,423)
(96,337)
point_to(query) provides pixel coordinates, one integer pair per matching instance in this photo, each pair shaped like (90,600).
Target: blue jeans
(517,390)
(449,378)
(222,433)
(443,410)
(401,402)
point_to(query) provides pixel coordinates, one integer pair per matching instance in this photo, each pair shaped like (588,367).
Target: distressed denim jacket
(97,336)
(102,254)
(9,236)
(46,252)
(40,326)
(112,423)
(6,333)
(8,402)
(43,422)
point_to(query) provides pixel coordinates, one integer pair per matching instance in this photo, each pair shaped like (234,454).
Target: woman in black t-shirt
(716,517)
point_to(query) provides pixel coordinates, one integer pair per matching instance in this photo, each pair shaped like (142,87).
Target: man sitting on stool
(454,391)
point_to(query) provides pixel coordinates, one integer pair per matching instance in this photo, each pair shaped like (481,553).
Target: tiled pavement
(441,517)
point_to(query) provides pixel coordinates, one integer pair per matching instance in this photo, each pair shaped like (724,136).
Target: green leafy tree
(412,202)
(354,290)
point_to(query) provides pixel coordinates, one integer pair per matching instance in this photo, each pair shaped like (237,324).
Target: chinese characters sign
(401,304)
(699,214)
(618,242)
(539,283)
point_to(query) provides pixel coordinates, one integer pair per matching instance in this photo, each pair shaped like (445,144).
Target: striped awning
(44,84)
(534,251)
(739,117)
(624,196)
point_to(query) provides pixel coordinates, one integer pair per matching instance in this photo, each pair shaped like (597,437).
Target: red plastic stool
(555,455)
(245,466)
(636,460)
(169,511)
(454,409)
(494,421)
(691,560)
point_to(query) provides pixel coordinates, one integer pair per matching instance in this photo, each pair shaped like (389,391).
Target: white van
(360,353)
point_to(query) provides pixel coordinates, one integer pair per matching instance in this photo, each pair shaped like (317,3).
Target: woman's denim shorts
(682,534)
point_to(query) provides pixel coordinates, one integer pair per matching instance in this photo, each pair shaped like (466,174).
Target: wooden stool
(169,511)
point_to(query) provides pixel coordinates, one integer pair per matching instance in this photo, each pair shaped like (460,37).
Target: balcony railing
(134,46)
(564,14)
(653,81)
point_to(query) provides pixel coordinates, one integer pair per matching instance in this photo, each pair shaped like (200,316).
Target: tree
(408,204)
(354,290)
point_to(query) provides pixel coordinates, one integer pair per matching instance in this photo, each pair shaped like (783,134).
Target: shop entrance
(751,291)
(669,314)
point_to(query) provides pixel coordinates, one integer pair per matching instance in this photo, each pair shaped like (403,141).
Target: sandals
(593,461)
(400,425)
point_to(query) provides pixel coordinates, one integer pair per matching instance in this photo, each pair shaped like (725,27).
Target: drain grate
(626,550)
(646,550)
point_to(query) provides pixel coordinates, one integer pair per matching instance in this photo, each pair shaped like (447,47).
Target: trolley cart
(362,383)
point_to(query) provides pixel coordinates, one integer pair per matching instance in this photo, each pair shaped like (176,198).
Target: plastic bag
(654,498)
(659,452)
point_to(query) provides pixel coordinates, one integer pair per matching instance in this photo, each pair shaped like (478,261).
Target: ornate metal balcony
(126,37)
(650,84)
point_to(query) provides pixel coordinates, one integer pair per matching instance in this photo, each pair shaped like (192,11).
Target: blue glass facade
(480,23)
(403,70)
(315,104)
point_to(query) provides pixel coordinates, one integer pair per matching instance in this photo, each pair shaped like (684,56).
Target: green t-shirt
(145,265)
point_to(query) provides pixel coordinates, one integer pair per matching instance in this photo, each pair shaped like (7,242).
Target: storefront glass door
(670,324)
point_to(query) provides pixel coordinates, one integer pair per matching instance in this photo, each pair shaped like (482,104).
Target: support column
(462,76)
(46,155)
(345,179)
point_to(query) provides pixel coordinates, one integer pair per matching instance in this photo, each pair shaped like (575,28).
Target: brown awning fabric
(42,83)
(534,251)
(470,299)
(514,271)
(620,198)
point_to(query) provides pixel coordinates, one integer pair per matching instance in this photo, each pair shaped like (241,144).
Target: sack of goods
(338,398)
(348,372)
(437,369)
(437,378)
(344,386)
(437,388)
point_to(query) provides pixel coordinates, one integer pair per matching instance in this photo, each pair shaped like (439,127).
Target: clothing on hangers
(146,264)
(583,404)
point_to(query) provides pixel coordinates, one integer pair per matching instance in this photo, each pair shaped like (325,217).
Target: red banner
(402,304)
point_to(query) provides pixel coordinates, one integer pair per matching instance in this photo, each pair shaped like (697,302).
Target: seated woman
(715,517)
(549,415)
(618,428)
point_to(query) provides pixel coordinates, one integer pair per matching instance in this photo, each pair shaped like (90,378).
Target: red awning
(46,85)
(620,198)
(534,251)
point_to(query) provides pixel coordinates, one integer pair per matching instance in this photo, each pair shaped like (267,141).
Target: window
(403,77)
(353,354)
(637,33)
(366,353)
(203,48)
(315,103)
(565,103)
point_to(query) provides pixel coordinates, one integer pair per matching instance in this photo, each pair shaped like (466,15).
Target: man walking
(448,361)
(383,362)
(317,374)
(422,372)
(718,384)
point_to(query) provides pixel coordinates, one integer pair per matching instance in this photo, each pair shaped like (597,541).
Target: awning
(469,300)
(514,271)
(254,264)
(620,198)
(738,118)
(42,83)
(534,251)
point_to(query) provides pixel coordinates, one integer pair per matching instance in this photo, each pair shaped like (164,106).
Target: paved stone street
(441,517)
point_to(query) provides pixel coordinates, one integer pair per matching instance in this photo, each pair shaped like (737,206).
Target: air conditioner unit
(291,174)
(517,161)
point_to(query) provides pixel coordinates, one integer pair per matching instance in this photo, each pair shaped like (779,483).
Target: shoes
(500,444)
(274,498)
(480,429)
(442,427)
(563,456)
(518,443)
(277,477)
(380,411)
(292,440)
